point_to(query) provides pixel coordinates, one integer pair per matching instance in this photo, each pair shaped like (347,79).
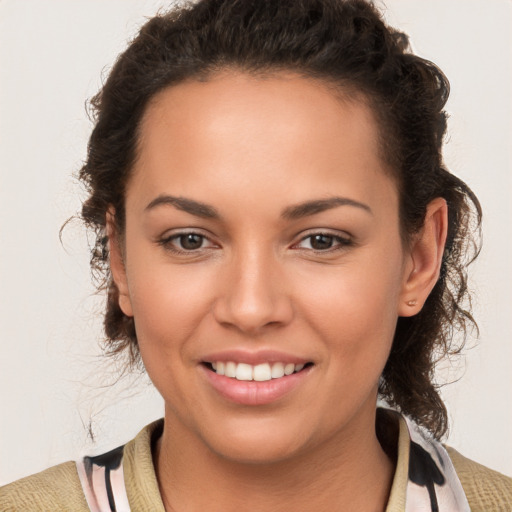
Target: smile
(260,372)
(255,384)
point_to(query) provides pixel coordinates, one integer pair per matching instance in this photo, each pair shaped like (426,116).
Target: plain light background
(55,389)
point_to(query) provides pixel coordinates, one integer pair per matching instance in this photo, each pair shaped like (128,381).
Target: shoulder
(139,472)
(485,488)
(56,488)
(59,487)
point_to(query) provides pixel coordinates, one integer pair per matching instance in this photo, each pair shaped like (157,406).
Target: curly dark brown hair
(344,43)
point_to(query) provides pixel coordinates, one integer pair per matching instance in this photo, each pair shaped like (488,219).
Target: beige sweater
(59,489)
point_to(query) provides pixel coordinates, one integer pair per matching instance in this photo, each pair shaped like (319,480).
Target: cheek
(169,306)
(354,307)
(169,302)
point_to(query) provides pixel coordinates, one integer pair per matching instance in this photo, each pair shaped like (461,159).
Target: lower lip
(253,392)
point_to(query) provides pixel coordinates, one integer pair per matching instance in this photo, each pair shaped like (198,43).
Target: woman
(281,246)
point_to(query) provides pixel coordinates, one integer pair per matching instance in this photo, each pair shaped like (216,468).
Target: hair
(344,43)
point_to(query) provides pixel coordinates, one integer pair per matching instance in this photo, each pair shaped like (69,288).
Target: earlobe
(426,254)
(117,266)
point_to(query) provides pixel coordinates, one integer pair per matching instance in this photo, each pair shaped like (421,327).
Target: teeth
(230,369)
(289,369)
(243,371)
(259,373)
(262,372)
(277,370)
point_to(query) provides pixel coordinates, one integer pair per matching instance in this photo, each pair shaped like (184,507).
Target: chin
(257,445)
(256,453)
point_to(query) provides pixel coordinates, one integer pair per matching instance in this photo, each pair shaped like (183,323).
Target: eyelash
(167,242)
(342,242)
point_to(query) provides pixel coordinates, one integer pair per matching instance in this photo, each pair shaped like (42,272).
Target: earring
(412,302)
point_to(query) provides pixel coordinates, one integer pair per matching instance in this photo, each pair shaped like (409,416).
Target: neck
(350,471)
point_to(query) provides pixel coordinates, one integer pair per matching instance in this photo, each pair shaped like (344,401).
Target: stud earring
(412,302)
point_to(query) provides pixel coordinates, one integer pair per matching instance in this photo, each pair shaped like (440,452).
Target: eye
(186,242)
(323,242)
(190,241)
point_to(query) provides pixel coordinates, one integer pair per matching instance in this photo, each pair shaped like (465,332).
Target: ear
(117,266)
(424,259)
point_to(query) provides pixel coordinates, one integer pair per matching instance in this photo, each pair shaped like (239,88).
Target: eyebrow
(187,205)
(293,212)
(307,208)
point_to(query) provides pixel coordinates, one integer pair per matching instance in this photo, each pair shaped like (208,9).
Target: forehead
(305,106)
(282,132)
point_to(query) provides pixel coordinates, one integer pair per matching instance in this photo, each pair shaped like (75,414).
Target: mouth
(258,373)
(256,385)
(254,378)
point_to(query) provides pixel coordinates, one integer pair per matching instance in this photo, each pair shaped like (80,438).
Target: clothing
(59,488)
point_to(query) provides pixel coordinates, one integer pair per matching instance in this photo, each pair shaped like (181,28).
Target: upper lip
(254,357)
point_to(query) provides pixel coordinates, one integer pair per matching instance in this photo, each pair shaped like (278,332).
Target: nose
(254,296)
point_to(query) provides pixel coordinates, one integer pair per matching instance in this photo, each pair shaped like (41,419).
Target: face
(262,238)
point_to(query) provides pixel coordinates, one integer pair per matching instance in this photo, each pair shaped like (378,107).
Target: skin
(252,148)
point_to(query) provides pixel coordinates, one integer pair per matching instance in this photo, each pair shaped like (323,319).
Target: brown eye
(191,241)
(321,242)
(187,244)
(324,242)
